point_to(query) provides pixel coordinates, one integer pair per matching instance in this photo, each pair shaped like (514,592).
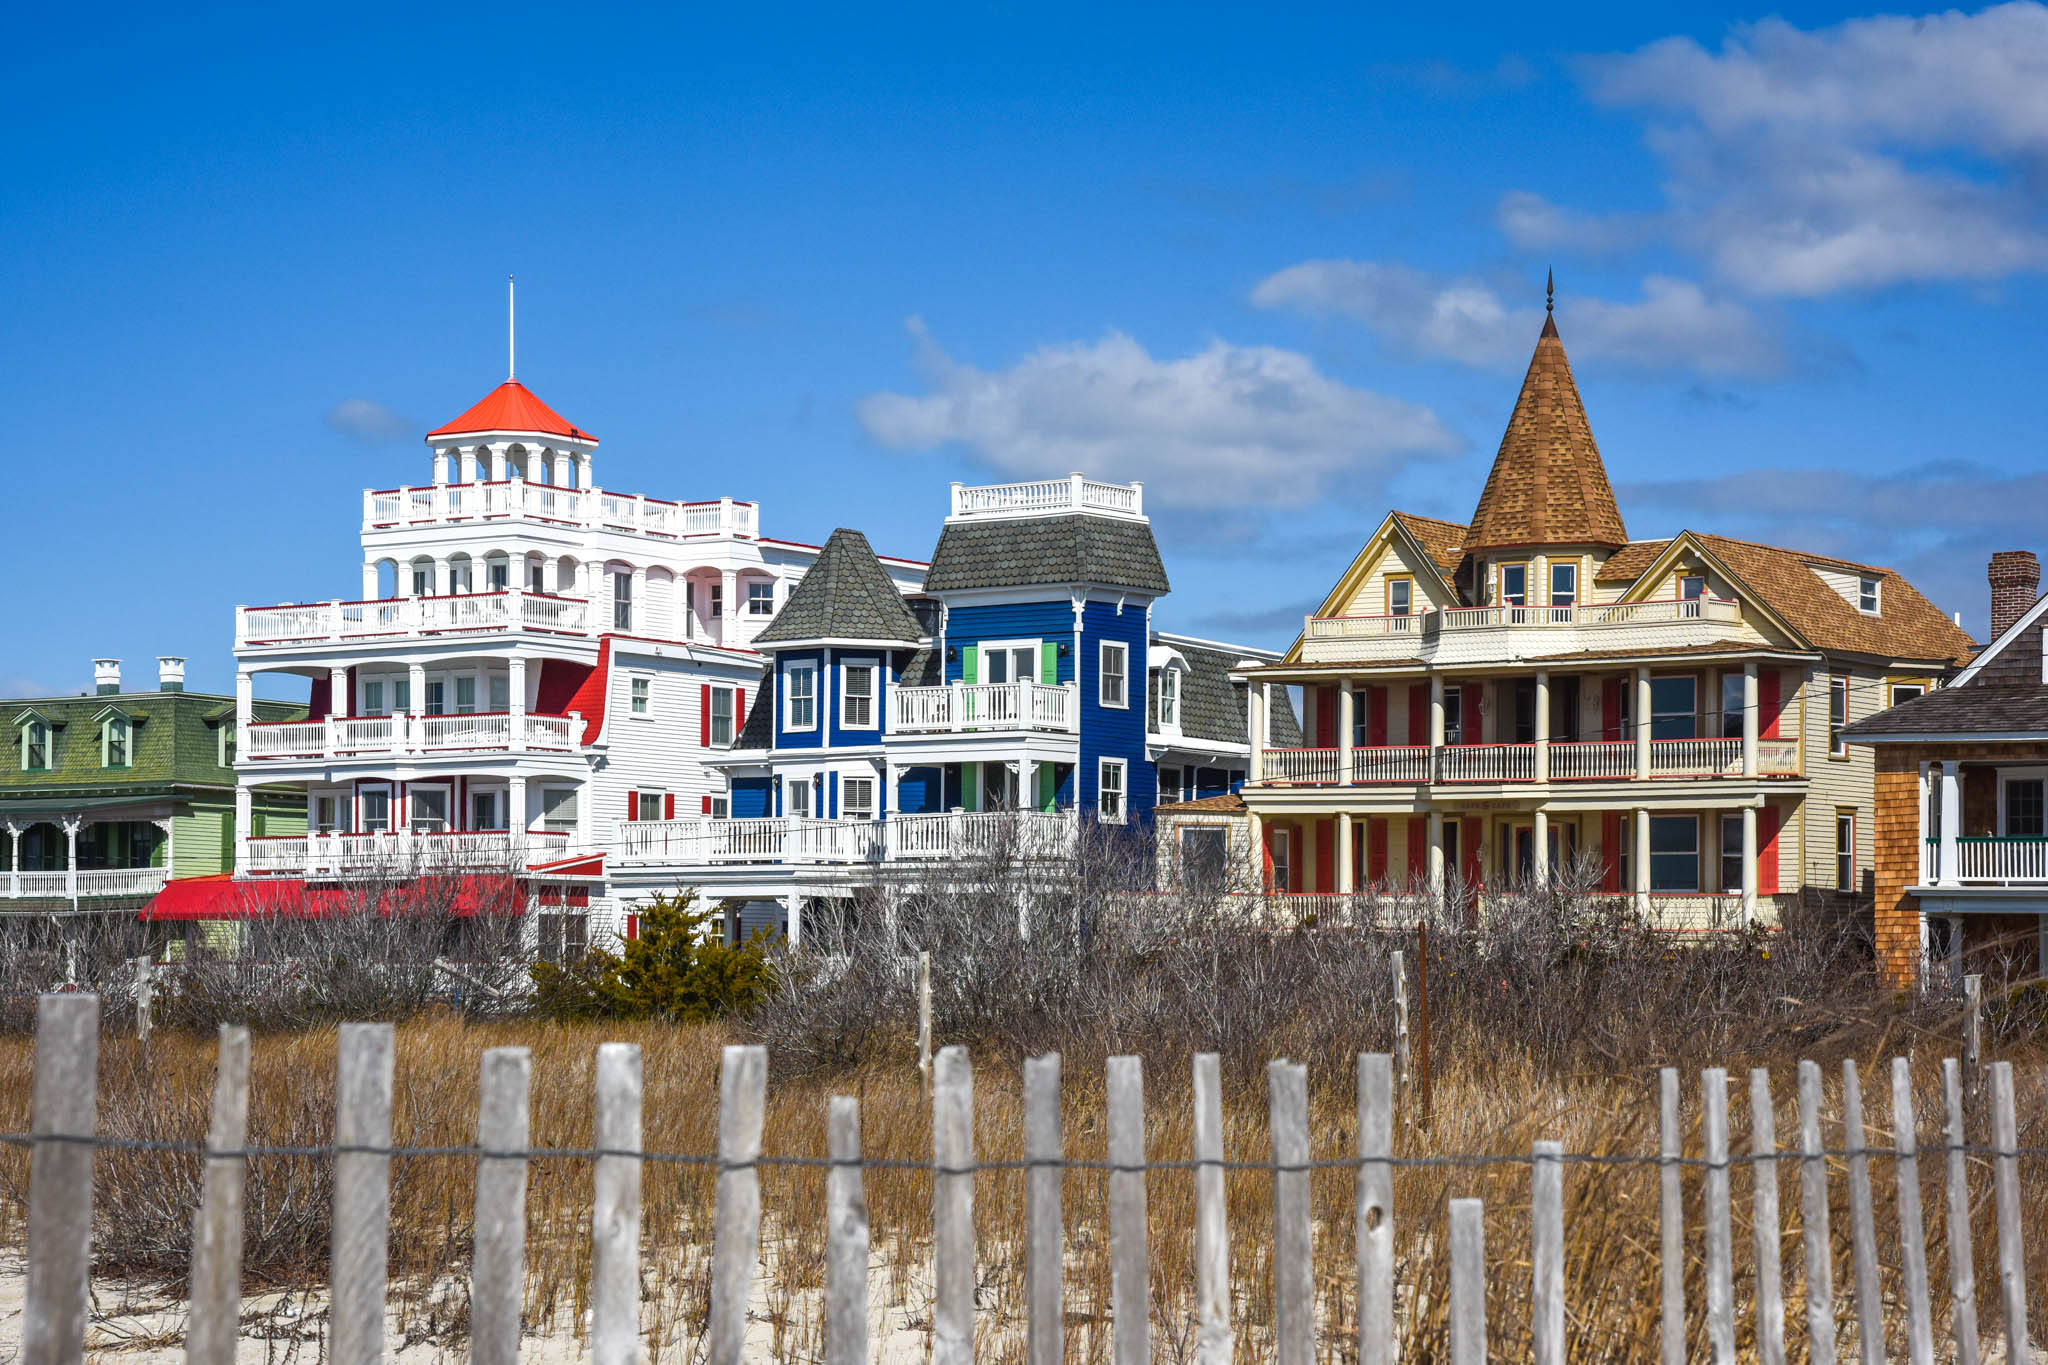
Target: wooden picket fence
(63,1142)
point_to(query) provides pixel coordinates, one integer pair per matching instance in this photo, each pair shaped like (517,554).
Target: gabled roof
(1548,485)
(1024,552)
(759,731)
(1211,706)
(1442,541)
(844,595)
(512,407)
(2004,692)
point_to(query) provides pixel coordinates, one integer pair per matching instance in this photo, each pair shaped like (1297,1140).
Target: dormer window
(1692,587)
(116,742)
(1867,595)
(1169,698)
(35,746)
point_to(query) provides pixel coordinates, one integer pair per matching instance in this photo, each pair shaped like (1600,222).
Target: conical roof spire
(1548,485)
(844,595)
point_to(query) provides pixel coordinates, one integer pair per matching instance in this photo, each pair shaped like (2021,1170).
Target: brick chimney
(2015,586)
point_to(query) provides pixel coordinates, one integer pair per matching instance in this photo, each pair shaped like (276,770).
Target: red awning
(222,897)
(580,865)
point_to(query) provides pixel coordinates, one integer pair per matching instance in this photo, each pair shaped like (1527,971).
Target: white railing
(361,734)
(2008,861)
(1391,763)
(1024,833)
(1481,618)
(1696,758)
(120,881)
(484,731)
(365,736)
(320,622)
(399,854)
(1587,760)
(783,839)
(285,739)
(1778,757)
(1071,494)
(983,706)
(1486,763)
(1298,765)
(592,507)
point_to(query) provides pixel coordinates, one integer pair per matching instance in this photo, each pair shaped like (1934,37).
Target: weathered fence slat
(1129,1265)
(736,1238)
(1962,1264)
(1045,1234)
(497,1277)
(1375,1213)
(362,1193)
(1468,1282)
(1398,968)
(1215,1343)
(1813,1222)
(1973,1030)
(60,1180)
(2012,1258)
(1546,1252)
(1720,1226)
(216,1308)
(1912,1233)
(846,1230)
(615,1210)
(1862,1222)
(1764,1222)
(953,1208)
(1293,1273)
(1671,1219)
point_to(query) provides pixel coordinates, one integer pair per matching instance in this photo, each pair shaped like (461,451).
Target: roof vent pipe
(2015,586)
(170,674)
(106,676)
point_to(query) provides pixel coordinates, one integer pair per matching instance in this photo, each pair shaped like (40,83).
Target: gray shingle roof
(844,595)
(1030,551)
(759,731)
(922,670)
(1212,707)
(1967,710)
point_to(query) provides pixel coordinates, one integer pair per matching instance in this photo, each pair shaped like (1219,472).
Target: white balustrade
(120,881)
(313,622)
(400,854)
(2006,861)
(1391,763)
(983,706)
(1299,765)
(367,734)
(1587,760)
(1071,494)
(518,499)
(779,839)
(1480,618)
(286,739)
(1486,763)
(490,730)
(41,885)
(359,736)
(1778,757)
(1695,758)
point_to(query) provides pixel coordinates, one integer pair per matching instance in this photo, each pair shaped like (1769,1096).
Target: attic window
(1866,595)
(35,746)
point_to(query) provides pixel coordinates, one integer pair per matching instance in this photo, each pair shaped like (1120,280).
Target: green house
(107,795)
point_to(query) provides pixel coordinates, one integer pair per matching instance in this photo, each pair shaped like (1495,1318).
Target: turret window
(857,702)
(1564,584)
(1514,585)
(802,708)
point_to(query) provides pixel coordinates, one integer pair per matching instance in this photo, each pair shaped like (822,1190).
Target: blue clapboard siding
(918,792)
(750,797)
(801,739)
(1115,732)
(840,735)
(1052,622)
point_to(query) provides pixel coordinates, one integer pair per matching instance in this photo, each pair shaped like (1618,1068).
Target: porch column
(793,911)
(1539,856)
(1642,722)
(1948,870)
(583,481)
(1920,861)
(497,449)
(1017,768)
(370,582)
(14,833)
(729,580)
(1344,879)
(245,709)
(466,464)
(892,778)
(515,807)
(1436,853)
(1749,863)
(1640,863)
(1256,833)
(1436,710)
(1347,708)
(515,695)
(565,465)
(416,676)
(442,585)
(339,702)
(1255,726)
(1749,718)
(72,824)
(639,621)
(1542,737)
(245,815)
(440,465)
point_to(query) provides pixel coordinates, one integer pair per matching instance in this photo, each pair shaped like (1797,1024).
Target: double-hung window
(721,717)
(857,697)
(35,747)
(716,600)
(1674,706)
(373,810)
(2024,812)
(1169,699)
(857,798)
(429,805)
(1867,595)
(641,696)
(1692,587)
(558,809)
(1845,850)
(1514,585)
(1114,681)
(501,692)
(1400,596)
(373,699)
(647,805)
(721,807)
(1454,715)
(1564,584)
(115,741)
(1731,852)
(437,697)
(325,817)
(1109,791)
(487,808)
(1674,853)
(465,694)
(1838,715)
(801,709)
(622,601)
(761,597)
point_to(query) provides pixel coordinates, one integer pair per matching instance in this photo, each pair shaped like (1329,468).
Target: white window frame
(29,726)
(799,668)
(1838,685)
(224,744)
(1570,568)
(1103,675)
(730,696)
(641,796)
(1405,606)
(622,600)
(363,793)
(790,789)
(760,603)
(721,807)
(1122,768)
(847,805)
(1523,565)
(552,800)
(324,816)
(1688,578)
(847,696)
(1169,698)
(127,729)
(449,815)
(2018,774)
(1909,689)
(1845,853)
(372,702)
(501,806)
(1870,587)
(640,696)
(1008,650)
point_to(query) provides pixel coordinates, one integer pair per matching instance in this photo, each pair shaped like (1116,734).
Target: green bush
(679,968)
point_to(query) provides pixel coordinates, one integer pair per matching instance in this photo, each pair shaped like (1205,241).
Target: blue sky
(1287,268)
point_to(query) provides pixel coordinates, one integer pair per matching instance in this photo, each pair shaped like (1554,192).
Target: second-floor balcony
(592,508)
(340,622)
(78,883)
(1987,861)
(1518,631)
(379,736)
(399,854)
(792,839)
(1559,761)
(963,707)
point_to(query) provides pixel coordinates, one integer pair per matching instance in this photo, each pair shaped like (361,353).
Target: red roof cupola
(512,407)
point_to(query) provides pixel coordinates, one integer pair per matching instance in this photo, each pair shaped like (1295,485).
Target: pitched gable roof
(1442,541)
(512,407)
(1548,485)
(1023,552)
(844,595)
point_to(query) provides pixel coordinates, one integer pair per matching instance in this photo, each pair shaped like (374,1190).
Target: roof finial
(1549,289)
(511,333)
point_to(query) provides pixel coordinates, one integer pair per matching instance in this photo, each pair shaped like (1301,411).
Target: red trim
(1610,708)
(590,696)
(1468,847)
(704,715)
(632,926)
(318,700)
(1418,849)
(633,804)
(1326,854)
(1376,834)
(1770,707)
(1418,713)
(668,805)
(707,804)
(1767,847)
(1610,850)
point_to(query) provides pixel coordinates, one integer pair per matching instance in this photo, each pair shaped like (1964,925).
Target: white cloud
(12,688)
(368,421)
(1803,163)
(1675,325)
(1229,426)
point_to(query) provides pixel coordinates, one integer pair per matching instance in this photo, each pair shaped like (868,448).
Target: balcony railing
(1569,761)
(376,736)
(1533,631)
(515,499)
(396,617)
(1590,614)
(86,881)
(1990,861)
(402,854)
(701,841)
(1041,496)
(963,707)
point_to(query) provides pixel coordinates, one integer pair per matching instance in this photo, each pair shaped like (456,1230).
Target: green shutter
(1048,663)
(970,783)
(968,659)
(1048,785)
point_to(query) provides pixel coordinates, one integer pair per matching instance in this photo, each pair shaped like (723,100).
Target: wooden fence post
(216,1309)
(1375,1213)
(1045,1223)
(924,1021)
(2012,1258)
(362,1193)
(498,1264)
(66,1094)
(846,1231)
(1671,1218)
(952,1208)
(1813,1221)
(1129,1263)
(1403,1063)
(1862,1222)
(1962,1267)
(1912,1232)
(736,1240)
(1546,1253)
(1764,1223)
(1720,1228)
(615,1210)
(1293,1273)
(1973,1032)
(1215,1343)
(1468,1282)
(1427,1078)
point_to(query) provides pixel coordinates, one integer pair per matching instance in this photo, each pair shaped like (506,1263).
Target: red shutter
(632,926)
(1468,843)
(1418,713)
(1375,717)
(1326,855)
(1266,857)
(1769,704)
(1326,716)
(1767,844)
(1610,708)
(1610,850)
(1376,851)
(707,805)
(668,806)
(1418,849)
(632,805)
(739,712)
(704,715)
